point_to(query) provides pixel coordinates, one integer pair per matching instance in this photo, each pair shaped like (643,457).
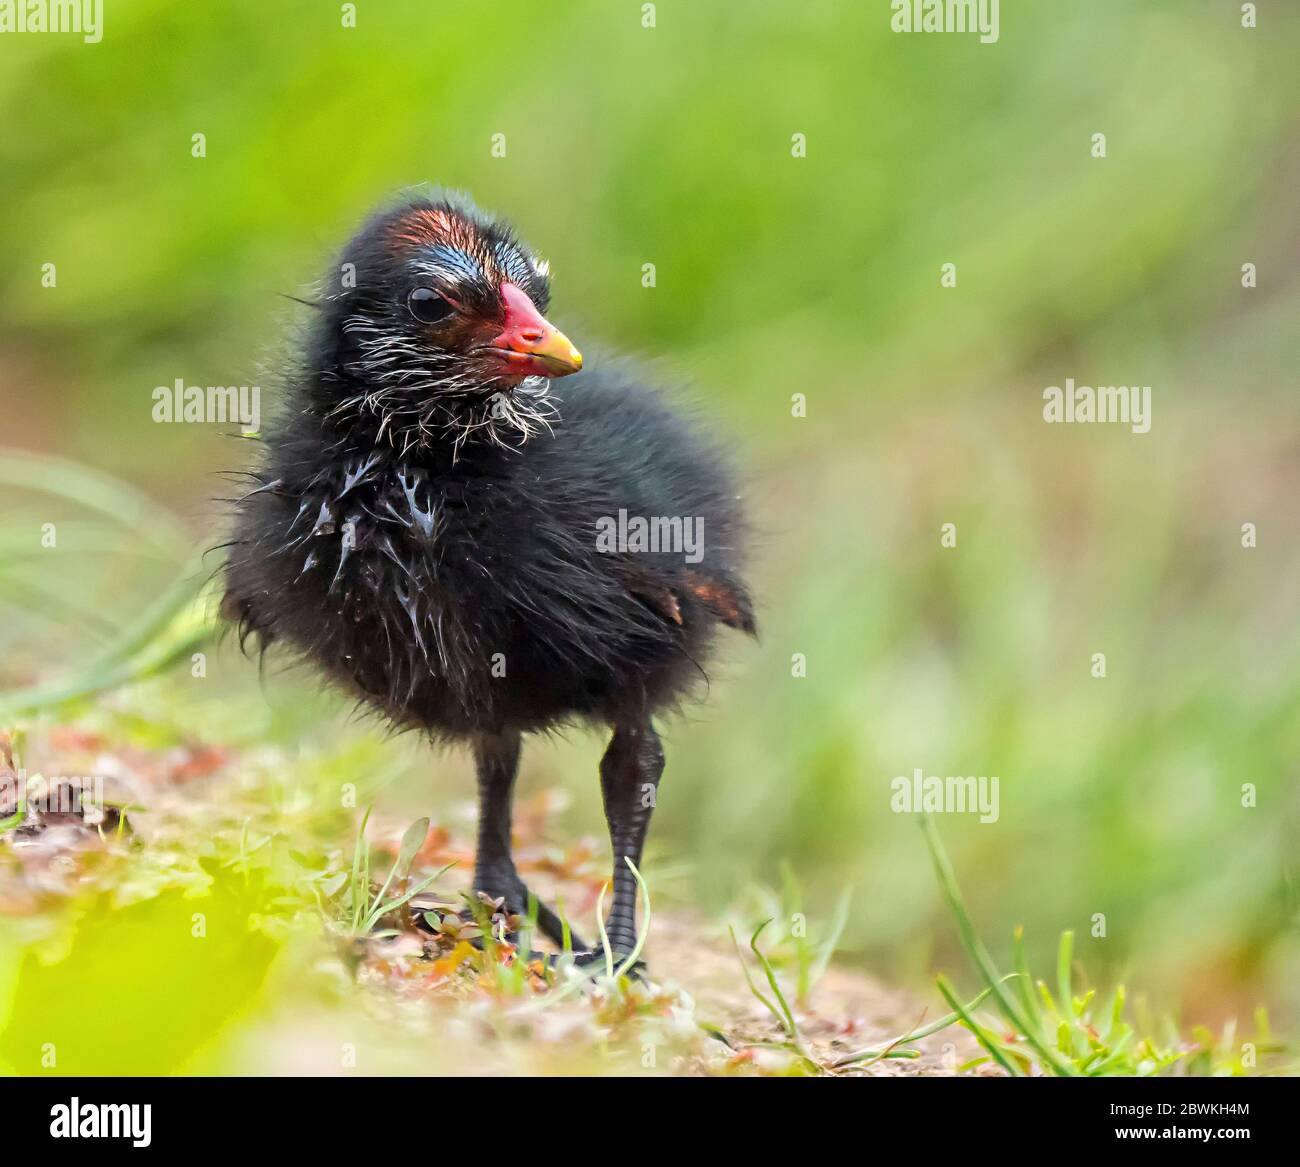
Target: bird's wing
(726,598)
(667,592)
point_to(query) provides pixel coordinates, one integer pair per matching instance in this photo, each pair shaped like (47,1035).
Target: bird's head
(435,323)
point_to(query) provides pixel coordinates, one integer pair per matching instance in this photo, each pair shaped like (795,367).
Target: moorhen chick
(477,551)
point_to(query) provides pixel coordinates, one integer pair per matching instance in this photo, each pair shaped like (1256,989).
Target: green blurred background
(776,275)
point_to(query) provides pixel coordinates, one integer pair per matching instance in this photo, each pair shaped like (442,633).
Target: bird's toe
(597,963)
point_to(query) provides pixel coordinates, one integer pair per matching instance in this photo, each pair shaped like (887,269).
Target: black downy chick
(436,524)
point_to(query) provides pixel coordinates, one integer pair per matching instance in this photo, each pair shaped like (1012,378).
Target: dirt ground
(694,999)
(848,1011)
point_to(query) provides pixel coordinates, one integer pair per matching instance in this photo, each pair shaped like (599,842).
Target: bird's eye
(428,306)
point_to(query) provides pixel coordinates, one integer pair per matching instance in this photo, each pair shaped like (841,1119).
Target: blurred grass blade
(644,931)
(988,1042)
(917,1034)
(170,629)
(979,954)
(96,491)
(1064,955)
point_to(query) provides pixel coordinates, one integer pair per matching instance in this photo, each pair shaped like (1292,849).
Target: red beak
(529,344)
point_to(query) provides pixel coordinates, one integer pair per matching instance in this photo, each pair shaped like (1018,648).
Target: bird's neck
(341,422)
(429,419)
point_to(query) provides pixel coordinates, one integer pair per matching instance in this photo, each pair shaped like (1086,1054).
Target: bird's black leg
(496,758)
(629,782)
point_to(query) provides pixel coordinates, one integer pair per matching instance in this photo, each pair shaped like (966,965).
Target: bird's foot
(509,904)
(497,919)
(597,963)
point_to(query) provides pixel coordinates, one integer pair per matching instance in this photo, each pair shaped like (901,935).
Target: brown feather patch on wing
(659,597)
(667,603)
(726,600)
